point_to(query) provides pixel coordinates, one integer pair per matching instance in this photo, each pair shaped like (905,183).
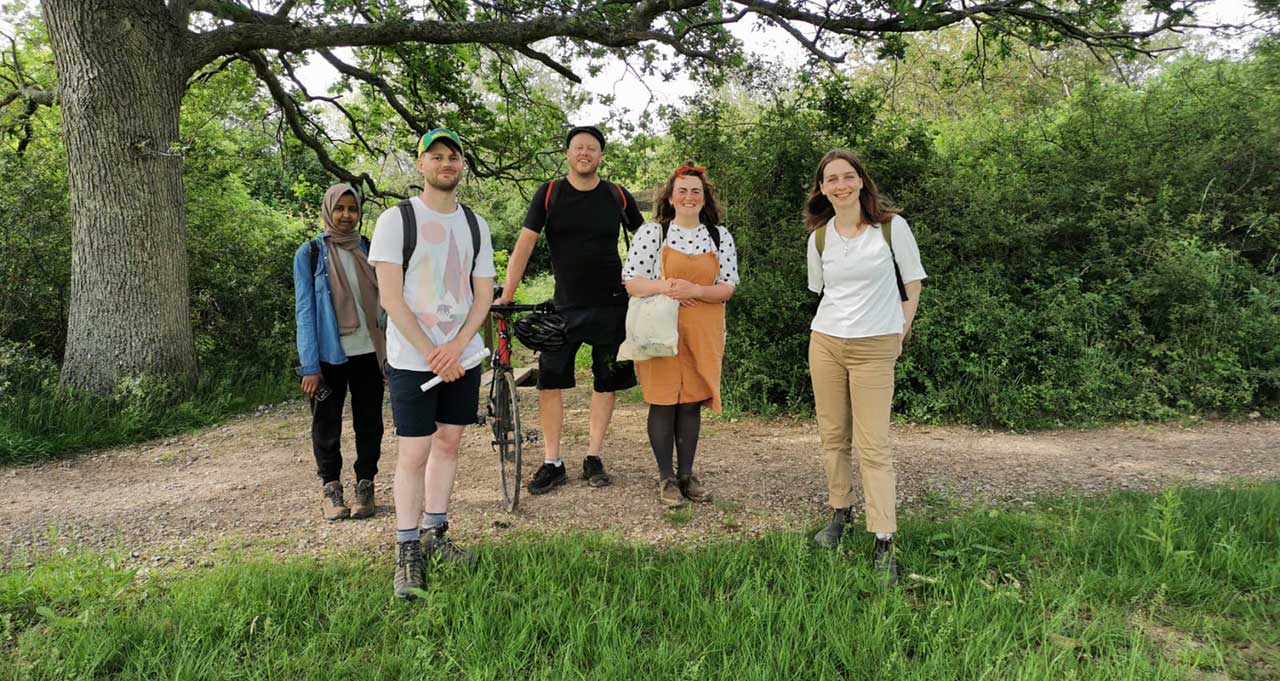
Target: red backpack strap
(546,198)
(622,195)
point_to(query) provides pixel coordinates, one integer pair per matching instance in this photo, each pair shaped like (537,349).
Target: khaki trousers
(853,395)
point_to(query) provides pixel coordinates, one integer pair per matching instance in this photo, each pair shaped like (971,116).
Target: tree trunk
(121,82)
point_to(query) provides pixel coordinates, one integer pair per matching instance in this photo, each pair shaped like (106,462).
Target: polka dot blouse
(642,260)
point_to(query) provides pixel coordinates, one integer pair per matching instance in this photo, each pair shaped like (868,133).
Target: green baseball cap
(445,135)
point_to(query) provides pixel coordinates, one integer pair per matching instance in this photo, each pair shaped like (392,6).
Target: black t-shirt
(583,235)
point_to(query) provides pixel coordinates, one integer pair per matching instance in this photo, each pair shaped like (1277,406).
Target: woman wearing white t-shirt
(864,261)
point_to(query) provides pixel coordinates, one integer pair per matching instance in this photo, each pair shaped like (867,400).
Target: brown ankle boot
(334,507)
(363,506)
(669,493)
(693,489)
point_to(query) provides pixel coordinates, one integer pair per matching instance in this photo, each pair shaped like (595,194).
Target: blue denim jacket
(318,339)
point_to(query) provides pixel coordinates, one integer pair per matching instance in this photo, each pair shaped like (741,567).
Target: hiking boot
(883,562)
(408,568)
(547,477)
(363,507)
(829,536)
(334,507)
(693,490)
(439,548)
(669,494)
(593,472)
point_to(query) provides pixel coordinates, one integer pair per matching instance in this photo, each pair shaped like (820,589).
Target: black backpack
(409,221)
(619,199)
(714,232)
(315,251)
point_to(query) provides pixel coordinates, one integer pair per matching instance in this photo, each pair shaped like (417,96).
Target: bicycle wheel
(507,436)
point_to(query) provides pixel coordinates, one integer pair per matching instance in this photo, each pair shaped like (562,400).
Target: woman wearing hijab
(341,348)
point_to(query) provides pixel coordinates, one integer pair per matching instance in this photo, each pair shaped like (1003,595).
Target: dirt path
(250,482)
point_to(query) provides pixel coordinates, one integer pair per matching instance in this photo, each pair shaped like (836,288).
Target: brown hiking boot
(334,507)
(439,548)
(669,493)
(408,569)
(363,507)
(693,489)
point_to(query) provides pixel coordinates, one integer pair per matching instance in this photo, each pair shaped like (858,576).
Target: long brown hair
(818,210)
(664,212)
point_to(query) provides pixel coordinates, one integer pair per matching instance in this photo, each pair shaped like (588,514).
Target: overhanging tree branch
(294,118)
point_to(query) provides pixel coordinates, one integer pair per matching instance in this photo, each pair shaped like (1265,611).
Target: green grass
(1132,587)
(39,422)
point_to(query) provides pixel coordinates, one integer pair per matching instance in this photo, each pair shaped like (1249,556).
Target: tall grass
(1134,587)
(41,420)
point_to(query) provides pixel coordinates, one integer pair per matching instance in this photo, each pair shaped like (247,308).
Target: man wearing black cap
(581,215)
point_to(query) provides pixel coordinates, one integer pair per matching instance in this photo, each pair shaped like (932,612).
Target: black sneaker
(547,477)
(408,569)
(593,472)
(883,562)
(438,547)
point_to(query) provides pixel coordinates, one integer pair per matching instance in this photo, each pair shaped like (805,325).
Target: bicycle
(503,408)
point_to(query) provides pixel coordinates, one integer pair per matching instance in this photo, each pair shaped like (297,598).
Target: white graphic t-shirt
(437,285)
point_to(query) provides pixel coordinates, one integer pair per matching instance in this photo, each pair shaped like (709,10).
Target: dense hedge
(1114,258)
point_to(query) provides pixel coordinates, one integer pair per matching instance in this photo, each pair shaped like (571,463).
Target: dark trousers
(361,375)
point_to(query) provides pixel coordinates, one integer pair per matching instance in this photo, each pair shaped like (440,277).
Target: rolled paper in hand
(469,362)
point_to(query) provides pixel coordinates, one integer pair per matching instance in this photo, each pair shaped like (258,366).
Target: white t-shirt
(437,285)
(642,259)
(861,295)
(358,342)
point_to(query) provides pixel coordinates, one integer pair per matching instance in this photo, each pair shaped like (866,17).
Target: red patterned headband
(690,170)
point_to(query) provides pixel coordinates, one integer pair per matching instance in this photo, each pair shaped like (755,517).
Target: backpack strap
(820,239)
(620,198)
(713,232)
(315,255)
(474,223)
(409,222)
(887,230)
(617,194)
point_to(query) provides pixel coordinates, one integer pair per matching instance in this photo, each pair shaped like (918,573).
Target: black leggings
(678,425)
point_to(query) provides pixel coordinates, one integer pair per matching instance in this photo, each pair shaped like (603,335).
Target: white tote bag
(652,325)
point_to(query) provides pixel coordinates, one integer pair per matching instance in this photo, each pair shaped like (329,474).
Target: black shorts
(416,413)
(603,328)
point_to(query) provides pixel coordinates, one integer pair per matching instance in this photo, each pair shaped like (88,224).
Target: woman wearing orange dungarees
(687,256)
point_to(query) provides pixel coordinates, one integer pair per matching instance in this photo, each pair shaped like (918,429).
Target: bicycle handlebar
(545,306)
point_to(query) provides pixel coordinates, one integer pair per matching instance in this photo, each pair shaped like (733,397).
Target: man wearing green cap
(434,259)
(581,216)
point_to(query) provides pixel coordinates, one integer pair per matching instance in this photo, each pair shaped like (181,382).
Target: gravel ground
(249,484)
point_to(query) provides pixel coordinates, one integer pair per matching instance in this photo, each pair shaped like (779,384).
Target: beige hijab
(344,304)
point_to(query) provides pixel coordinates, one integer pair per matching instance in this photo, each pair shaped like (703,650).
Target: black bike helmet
(542,331)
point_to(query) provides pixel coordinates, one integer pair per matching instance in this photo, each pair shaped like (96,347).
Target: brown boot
(334,507)
(363,507)
(693,489)
(669,493)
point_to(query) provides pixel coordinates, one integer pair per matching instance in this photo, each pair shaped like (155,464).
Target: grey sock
(407,535)
(431,520)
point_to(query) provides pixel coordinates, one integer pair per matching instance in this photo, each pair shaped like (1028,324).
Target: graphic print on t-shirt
(447,287)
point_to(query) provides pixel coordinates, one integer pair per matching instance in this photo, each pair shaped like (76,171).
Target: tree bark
(121,82)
